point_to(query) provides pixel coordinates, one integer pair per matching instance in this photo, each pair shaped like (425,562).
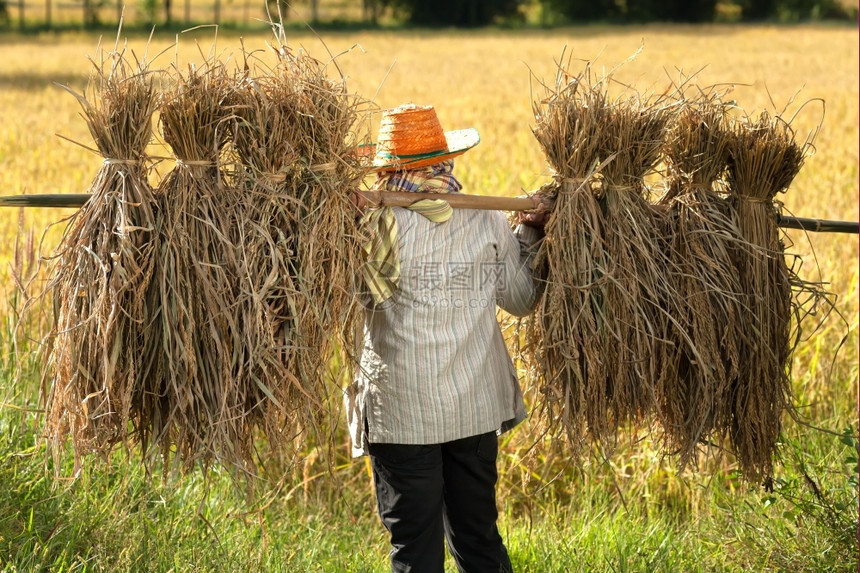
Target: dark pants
(426,494)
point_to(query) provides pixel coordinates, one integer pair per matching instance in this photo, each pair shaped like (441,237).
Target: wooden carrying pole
(456,200)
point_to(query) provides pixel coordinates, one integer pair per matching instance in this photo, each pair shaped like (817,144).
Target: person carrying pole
(436,384)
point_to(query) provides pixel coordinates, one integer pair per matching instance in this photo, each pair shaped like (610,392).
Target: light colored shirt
(435,367)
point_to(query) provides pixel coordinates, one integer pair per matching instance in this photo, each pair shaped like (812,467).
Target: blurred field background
(629,512)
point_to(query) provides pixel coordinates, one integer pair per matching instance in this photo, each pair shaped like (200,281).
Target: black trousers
(426,494)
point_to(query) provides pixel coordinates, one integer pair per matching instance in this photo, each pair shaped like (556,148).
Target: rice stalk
(764,158)
(294,137)
(101,271)
(706,345)
(592,336)
(328,252)
(265,238)
(191,412)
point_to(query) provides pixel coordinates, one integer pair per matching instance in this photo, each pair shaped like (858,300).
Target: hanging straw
(589,344)
(764,159)
(191,412)
(705,343)
(294,139)
(101,272)
(328,254)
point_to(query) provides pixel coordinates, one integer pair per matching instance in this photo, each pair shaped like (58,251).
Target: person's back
(441,325)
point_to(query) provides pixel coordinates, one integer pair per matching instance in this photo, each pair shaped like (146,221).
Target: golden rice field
(485,80)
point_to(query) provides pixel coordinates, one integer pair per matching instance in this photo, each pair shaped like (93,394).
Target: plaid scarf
(382,270)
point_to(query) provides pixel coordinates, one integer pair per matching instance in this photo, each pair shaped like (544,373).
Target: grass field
(629,512)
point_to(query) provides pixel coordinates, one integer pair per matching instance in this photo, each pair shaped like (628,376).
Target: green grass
(118,520)
(629,513)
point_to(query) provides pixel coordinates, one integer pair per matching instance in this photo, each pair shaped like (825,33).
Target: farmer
(436,385)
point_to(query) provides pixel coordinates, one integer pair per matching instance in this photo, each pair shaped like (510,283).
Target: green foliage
(671,10)
(634,10)
(468,13)
(149,8)
(808,523)
(819,504)
(792,10)
(755,10)
(577,11)
(692,11)
(801,10)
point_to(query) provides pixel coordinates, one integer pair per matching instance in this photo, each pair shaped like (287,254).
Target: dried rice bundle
(191,411)
(564,359)
(293,137)
(764,159)
(592,336)
(638,292)
(265,238)
(102,270)
(328,252)
(705,348)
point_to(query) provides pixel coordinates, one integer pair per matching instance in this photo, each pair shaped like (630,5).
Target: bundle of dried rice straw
(294,139)
(594,331)
(764,158)
(676,310)
(205,319)
(706,342)
(189,409)
(98,280)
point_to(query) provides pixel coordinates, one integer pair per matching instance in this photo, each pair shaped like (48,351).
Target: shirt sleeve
(517,293)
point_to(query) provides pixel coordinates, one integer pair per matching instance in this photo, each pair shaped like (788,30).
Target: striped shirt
(435,367)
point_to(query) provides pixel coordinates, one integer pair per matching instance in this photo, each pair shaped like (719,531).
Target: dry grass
(593,334)
(683,315)
(101,271)
(221,299)
(189,408)
(294,134)
(764,159)
(704,349)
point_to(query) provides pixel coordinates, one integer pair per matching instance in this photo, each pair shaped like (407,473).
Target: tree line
(471,13)
(476,13)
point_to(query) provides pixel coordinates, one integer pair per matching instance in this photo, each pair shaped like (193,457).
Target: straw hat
(410,136)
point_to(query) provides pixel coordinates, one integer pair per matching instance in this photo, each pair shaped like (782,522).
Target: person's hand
(359,202)
(536,219)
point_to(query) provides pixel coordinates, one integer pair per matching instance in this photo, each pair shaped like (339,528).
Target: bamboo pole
(456,200)
(818,225)
(45,200)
